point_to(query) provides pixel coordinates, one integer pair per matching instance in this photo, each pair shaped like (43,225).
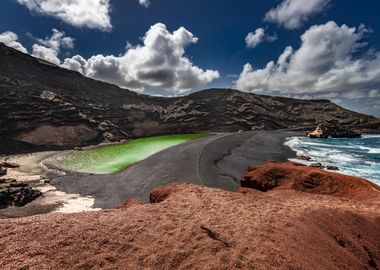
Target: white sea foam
(353,157)
(342,157)
(292,142)
(374,151)
(371,136)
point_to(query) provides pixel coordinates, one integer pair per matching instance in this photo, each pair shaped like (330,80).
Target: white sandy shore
(32,171)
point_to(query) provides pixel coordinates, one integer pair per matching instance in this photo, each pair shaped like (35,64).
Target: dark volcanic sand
(194,227)
(217,161)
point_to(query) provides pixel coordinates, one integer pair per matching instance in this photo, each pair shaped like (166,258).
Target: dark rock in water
(13,193)
(302,157)
(332,168)
(316,165)
(332,129)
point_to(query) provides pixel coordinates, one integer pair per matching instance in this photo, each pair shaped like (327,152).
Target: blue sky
(211,47)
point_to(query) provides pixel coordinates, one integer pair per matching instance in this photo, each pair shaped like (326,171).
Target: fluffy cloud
(49,47)
(331,60)
(144,3)
(160,62)
(255,38)
(57,40)
(10,39)
(292,14)
(80,13)
(45,53)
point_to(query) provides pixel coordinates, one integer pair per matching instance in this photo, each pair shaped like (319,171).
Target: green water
(114,158)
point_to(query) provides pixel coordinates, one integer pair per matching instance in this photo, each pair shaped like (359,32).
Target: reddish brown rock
(194,227)
(294,176)
(130,203)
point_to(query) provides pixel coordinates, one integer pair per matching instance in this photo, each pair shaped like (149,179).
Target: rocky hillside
(43,104)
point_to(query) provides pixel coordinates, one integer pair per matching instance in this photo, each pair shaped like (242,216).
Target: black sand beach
(218,161)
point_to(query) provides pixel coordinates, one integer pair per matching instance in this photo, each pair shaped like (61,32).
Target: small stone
(332,168)
(316,165)
(302,157)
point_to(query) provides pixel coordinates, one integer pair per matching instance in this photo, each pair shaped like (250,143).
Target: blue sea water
(358,157)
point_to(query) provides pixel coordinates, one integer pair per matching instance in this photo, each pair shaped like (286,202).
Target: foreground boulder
(194,227)
(334,130)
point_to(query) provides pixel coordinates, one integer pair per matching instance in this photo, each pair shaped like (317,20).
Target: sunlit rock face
(325,130)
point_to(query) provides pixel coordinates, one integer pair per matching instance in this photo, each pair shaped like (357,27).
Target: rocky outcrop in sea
(325,130)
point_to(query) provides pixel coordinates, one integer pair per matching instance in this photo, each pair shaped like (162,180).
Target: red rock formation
(295,176)
(130,203)
(194,227)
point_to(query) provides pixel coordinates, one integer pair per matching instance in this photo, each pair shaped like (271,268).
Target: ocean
(357,157)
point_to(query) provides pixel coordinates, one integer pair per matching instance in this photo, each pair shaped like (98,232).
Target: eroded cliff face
(36,95)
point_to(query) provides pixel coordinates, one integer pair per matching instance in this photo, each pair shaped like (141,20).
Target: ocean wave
(353,147)
(359,157)
(371,150)
(371,136)
(294,141)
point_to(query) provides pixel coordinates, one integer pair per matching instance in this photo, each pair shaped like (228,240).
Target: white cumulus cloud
(93,14)
(332,60)
(49,47)
(57,40)
(45,53)
(10,39)
(159,62)
(293,14)
(144,3)
(253,39)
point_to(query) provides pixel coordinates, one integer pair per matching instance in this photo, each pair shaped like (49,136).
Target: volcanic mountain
(43,104)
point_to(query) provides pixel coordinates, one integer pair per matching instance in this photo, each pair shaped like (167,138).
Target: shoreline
(217,161)
(352,150)
(32,172)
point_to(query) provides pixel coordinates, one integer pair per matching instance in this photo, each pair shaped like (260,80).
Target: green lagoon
(117,157)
